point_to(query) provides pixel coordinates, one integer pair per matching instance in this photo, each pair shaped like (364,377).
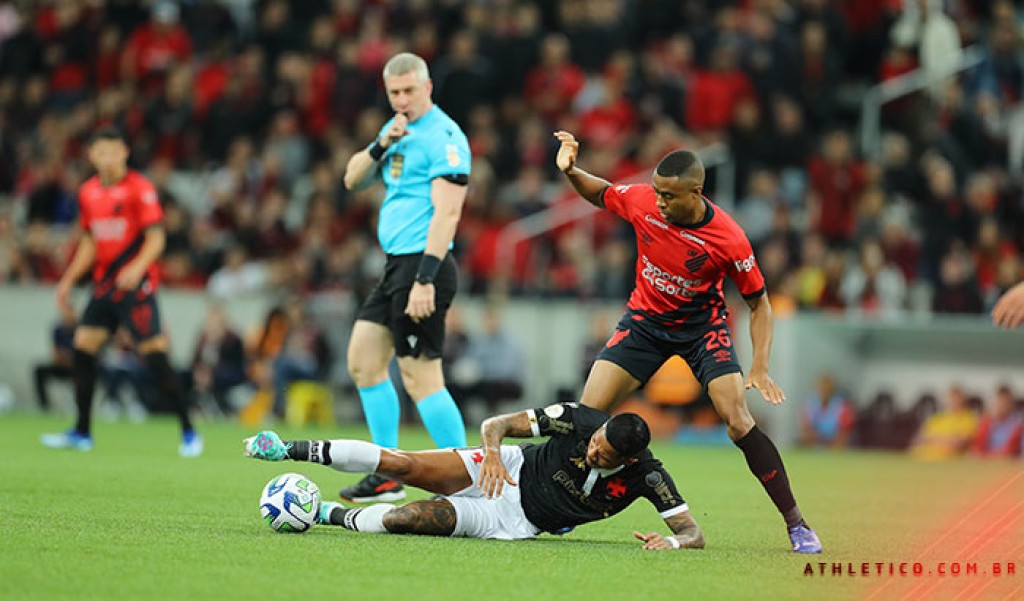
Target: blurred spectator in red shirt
(714,92)
(155,47)
(838,179)
(552,85)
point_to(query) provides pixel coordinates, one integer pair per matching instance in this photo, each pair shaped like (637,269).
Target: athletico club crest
(697,262)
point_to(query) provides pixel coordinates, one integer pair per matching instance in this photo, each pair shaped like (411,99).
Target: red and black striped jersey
(116,217)
(680,269)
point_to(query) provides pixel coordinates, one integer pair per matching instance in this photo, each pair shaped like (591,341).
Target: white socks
(354,456)
(367,519)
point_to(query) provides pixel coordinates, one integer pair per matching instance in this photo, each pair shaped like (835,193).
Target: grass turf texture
(132,520)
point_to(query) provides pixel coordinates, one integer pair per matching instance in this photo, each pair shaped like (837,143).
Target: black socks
(765,463)
(167,380)
(83,370)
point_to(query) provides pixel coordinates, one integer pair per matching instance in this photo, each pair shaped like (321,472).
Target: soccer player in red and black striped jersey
(122,237)
(686,247)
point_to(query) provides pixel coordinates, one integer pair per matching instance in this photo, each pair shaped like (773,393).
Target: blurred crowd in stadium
(244,113)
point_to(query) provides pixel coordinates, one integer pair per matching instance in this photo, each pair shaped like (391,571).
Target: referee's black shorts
(386,305)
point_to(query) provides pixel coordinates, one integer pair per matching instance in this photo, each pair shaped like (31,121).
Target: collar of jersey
(708,216)
(605,472)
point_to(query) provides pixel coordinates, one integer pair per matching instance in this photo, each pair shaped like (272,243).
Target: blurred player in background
(686,246)
(423,159)
(122,238)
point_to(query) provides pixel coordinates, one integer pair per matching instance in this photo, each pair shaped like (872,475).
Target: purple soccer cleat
(804,539)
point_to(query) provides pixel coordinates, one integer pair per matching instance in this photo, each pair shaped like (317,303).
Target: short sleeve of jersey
(744,270)
(449,155)
(617,199)
(661,491)
(563,419)
(83,212)
(148,208)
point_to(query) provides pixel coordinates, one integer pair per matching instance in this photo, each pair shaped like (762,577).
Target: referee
(423,158)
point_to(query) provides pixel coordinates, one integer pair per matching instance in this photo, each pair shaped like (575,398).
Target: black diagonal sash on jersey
(106,282)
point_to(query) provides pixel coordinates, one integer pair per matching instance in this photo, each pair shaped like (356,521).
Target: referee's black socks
(765,463)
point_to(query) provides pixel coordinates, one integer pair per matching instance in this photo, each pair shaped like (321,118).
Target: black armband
(429,266)
(459,179)
(377,151)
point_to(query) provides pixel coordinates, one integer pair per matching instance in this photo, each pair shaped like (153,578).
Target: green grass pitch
(132,520)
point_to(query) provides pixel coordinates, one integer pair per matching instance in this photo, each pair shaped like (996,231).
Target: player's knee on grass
(435,518)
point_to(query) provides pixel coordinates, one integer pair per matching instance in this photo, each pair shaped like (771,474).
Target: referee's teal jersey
(433,147)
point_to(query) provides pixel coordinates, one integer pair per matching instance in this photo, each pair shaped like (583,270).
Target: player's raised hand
(1009,310)
(766,386)
(653,541)
(567,152)
(494,475)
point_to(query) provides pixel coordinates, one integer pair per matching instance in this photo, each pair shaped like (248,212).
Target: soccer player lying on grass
(590,468)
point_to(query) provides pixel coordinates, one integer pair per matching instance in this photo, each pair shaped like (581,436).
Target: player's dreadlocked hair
(628,434)
(678,163)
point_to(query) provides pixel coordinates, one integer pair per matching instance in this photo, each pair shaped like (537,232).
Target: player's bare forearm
(589,186)
(359,171)
(760,332)
(495,429)
(686,531)
(152,247)
(447,199)
(83,260)
(434,518)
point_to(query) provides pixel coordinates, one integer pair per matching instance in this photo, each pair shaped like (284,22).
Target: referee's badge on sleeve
(453,155)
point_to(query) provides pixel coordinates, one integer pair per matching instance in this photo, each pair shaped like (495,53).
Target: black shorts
(386,305)
(641,347)
(135,310)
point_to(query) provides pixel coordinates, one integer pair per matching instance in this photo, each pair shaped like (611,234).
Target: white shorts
(476,516)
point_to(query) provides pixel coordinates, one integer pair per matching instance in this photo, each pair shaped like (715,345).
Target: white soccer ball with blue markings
(290,503)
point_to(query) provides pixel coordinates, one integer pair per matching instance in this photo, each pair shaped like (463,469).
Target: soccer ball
(290,503)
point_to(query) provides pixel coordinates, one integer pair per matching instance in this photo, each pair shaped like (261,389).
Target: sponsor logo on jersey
(747,264)
(669,283)
(109,228)
(623,189)
(690,236)
(655,221)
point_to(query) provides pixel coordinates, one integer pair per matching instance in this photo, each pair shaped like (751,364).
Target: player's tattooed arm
(493,474)
(687,532)
(686,535)
(435,518)
(495,429)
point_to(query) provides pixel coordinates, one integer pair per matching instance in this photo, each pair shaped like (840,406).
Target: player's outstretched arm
(590,187)
(1009,310)
(493,474)
(83,260)
(761,337)
(686,534)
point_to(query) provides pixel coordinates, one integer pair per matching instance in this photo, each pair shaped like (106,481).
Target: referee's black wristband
(377,151)
(429,266)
